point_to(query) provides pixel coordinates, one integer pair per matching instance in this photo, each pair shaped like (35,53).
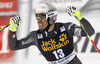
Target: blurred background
(87,53)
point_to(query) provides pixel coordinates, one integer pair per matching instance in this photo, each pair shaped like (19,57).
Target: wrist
(77,15)
(13,28)
(14,32)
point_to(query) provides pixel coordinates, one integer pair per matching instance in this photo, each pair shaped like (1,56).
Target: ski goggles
(43,16)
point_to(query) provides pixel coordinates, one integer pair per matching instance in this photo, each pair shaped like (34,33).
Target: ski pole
(4,27)
(88,35)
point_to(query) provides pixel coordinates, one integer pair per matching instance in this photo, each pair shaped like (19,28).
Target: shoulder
(65,24)
(33,32)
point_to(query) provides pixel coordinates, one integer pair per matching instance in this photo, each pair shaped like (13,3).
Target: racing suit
(56,46)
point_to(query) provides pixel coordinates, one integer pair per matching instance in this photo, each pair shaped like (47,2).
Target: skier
(54,40)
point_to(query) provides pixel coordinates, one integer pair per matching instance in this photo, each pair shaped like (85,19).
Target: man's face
(42,24)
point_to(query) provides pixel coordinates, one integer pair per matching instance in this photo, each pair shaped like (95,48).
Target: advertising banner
(6,55)
(8,8)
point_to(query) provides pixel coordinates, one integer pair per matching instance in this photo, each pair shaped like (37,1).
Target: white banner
(62,4)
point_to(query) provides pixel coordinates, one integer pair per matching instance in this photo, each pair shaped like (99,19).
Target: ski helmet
(46,11)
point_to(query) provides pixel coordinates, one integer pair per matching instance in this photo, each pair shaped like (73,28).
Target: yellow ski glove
(15,21)
(71,10)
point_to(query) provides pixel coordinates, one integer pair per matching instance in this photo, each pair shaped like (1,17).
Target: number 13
(59,53)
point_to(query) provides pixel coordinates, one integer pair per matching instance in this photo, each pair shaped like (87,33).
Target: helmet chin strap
(47,28)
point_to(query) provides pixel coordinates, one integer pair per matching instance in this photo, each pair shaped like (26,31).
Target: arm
(15,44)
(88,27)
(76,30)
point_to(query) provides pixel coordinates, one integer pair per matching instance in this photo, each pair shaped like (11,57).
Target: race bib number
(64,60)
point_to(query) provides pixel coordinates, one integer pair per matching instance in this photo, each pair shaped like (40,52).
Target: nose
(39,20)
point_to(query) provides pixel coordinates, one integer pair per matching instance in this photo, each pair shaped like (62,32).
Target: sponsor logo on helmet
(54,18)
(50,14)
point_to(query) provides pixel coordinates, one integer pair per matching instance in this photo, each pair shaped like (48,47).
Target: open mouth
(40,24)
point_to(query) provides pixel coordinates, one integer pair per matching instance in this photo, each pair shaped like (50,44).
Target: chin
(41,28)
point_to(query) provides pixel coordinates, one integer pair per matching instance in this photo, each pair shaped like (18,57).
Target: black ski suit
(56,46)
